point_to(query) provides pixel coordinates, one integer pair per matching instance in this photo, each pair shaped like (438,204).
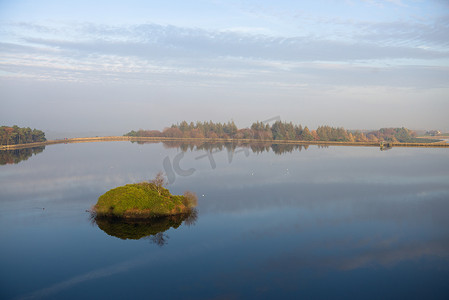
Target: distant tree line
(395,135)
(17,135)
(277,131)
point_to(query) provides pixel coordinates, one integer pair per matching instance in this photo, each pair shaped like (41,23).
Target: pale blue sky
(113,66)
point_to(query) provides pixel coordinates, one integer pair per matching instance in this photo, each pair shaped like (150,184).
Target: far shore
(441,144)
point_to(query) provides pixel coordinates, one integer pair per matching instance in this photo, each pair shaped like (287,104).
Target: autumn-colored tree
(9,132)
(306,135)
(351,137)
(239,135)
(360,137)
(212,135)
(247,133)
(373,138)
(196,133)
(172,132)
(190,199)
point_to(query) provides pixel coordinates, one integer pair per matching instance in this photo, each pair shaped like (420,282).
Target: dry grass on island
(144,200)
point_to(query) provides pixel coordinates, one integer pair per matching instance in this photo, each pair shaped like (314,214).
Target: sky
(108,67)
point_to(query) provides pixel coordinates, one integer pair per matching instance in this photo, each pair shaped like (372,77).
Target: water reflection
(152,229)
(18,155)
(319,224)
(255,147)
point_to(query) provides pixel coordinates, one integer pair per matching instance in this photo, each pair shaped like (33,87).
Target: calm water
(320,223)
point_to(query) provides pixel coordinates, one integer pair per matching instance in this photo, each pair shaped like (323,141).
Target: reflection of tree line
(153,229)
(257,147)
(18,155)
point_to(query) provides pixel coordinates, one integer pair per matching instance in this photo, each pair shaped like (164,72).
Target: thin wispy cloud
(154,49)
(323,50)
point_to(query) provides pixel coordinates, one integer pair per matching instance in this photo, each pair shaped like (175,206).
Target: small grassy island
(143,200)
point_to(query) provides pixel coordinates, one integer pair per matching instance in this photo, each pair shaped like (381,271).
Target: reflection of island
(152,229)
(18,155)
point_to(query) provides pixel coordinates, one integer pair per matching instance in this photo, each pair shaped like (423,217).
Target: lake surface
(315,223)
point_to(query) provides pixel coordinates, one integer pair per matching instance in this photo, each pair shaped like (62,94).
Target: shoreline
(219,140)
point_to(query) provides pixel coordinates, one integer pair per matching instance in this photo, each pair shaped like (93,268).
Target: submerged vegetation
(143,200)
(279,131)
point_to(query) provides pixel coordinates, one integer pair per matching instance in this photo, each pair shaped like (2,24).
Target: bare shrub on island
(190,199)
(159,181)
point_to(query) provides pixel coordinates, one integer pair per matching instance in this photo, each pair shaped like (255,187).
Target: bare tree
(159,181)
(190,199)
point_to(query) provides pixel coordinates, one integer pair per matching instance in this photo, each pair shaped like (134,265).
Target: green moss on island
(143,200)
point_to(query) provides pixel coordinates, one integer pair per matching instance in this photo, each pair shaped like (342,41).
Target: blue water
(320,223)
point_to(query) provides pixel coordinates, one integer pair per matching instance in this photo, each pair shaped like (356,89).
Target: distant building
(433,132)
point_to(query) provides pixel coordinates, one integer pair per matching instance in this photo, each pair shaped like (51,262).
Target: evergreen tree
(306,135)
